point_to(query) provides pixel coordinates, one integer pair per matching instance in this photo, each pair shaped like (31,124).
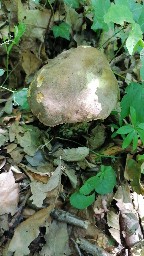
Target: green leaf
(128,139)
(18,33)
(1,72)
(72,3)
(142,70)
(103,182)
(135,141)
(63,30)
(133,115)
(141,134)
(100,8)
(106,180)
(141,20)
(118,14)
(142,62)
(80,201)
(134,97)
(134,7)
(125,129)
(20,98)
(140,157)
(141,126)
(88,186)
(36,1)
(134,36)
(139,48)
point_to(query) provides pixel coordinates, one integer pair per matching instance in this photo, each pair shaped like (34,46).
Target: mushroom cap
(76,86)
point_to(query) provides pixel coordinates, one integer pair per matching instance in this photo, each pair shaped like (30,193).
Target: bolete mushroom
(76,86)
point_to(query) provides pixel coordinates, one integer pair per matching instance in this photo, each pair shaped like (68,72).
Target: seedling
(102,183)
(19,97)
(10,42)
(134,131)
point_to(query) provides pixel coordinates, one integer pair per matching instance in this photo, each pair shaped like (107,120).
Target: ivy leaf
(134,97)
(63,30)
(20,98)
(134,36)
(80,201)
(118,14)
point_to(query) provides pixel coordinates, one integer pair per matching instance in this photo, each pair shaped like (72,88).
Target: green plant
(134,96)
(102,183)
(62,30)
(123,17)
(19,97)
(10,42)
(134,131)
(132,107)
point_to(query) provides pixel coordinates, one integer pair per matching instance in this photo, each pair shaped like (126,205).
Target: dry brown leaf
(129,219)
(2,161)
(113,223)
(57,240)
(138,201)
(27,231)
(40,190)
(30,62)
(9,193)
(36,21)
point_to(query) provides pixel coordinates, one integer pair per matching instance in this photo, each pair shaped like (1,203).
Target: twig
(93,249)
(2,86)
(16,219)
(118,59)
(68,218)
(76,246)
(107,41)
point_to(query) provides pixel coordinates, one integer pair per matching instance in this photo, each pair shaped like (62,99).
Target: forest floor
(41,167)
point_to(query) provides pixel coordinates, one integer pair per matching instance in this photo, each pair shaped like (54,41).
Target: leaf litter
(41,168)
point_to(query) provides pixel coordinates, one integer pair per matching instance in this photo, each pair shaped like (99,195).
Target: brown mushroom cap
(76,86)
